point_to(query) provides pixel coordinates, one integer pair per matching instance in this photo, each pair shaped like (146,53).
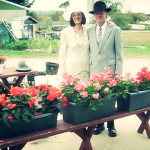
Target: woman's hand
(111,24)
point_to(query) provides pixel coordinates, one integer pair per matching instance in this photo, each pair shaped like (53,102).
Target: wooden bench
(84,130)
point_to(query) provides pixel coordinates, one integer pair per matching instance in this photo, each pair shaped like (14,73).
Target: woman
(74,48)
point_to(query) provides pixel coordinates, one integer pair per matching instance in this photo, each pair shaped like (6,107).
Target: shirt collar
(103,26)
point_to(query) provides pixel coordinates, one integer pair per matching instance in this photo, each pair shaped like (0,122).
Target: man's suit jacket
(110,51)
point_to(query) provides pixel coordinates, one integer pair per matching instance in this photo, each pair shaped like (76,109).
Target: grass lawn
(130,41)
(136,39)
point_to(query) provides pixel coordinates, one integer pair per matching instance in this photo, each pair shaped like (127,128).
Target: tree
(25,3)
(121,20)
(56,15)
(64,5)
(114,5)
(136,17)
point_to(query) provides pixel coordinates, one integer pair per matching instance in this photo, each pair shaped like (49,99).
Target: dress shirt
(103,29)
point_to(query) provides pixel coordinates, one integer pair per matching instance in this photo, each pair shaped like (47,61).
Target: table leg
(19,81)
(85,134)
(144,117)
(6,83)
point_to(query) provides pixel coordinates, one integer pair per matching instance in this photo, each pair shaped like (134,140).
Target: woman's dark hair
(83,19)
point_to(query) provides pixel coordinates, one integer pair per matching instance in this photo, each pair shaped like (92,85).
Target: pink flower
(112,83)
(97,85)
(96,96)
(80,86)
(84,94)
(68,80)
(106,89)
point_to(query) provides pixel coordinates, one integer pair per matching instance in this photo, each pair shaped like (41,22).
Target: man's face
(100,17)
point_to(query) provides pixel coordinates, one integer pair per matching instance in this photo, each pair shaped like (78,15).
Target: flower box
(134,101)
(21,127)
(76,113)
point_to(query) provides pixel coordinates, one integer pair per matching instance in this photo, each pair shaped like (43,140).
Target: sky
(133,5)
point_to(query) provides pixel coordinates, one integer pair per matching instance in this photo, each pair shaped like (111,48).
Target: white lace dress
(74,54)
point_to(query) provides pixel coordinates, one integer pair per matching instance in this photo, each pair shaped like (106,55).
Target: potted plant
(19,114)
(2,60)
(88,101)
(134,91)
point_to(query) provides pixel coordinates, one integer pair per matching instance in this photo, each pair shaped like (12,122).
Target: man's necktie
(100,37)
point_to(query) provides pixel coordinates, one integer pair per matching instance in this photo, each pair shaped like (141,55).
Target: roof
(6,5)
(23,18)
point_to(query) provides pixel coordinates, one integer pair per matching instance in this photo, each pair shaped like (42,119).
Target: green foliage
(135,18)
(32,14)
(114,5)
(26,3)
(55,16)
(33,44)
(17,45)
(121,20)
(64,5)
(123,88)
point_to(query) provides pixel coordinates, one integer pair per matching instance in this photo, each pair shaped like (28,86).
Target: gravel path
(132,65)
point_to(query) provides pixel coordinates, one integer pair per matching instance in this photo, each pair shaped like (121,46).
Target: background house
(14,23)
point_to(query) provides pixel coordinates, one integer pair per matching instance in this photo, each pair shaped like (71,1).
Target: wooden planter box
(134,101)
(76,113)
(21,127)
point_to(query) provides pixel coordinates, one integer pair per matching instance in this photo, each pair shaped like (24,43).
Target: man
(105,51)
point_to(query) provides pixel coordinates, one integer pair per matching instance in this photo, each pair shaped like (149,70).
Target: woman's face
(77,17)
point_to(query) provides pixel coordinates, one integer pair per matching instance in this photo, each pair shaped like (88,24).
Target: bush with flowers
(20,104)
(2,59)
(99,86)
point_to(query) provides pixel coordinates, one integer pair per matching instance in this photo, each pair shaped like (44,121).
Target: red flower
(32,91)
(64,99)
(11,106)
(64,104)
(43,87)
(17,91)
(53,93)
(31,102)
(37,114)
(3,100)
(10,117)
(2,59)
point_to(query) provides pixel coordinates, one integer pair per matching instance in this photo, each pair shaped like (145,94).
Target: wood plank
(63,127)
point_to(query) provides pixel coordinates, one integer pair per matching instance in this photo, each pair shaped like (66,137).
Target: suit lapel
(94,37)
(106,36)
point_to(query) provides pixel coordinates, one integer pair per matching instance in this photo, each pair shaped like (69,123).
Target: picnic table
(12,72)
(84,130)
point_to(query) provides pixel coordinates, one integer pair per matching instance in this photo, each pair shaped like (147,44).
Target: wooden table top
(10,72)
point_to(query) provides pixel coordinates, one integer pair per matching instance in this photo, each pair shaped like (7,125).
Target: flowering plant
(49,98)
(144,79)
(99,86)
(2,59)
(126,85)
(129,84)
(20,104)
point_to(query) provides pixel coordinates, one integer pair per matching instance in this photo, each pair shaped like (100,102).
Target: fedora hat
(22,67)
(99,6)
